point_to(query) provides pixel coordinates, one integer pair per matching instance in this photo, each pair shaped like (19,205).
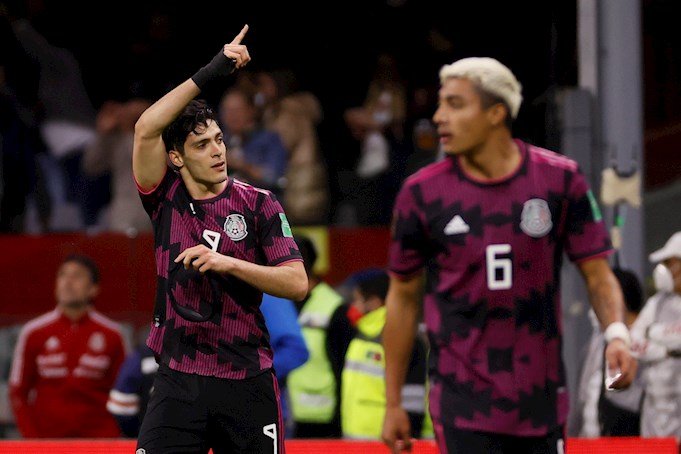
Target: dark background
(148,47)
(145,48)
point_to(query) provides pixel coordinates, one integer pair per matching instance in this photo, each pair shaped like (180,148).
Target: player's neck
(75,313)
(495,159)
(201,191)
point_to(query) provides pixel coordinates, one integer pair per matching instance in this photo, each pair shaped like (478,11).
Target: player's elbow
(141,127)
(145,128)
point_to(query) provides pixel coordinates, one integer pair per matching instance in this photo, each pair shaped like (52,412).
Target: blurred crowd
(66,163)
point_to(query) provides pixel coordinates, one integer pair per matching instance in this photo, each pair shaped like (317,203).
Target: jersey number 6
(499,269)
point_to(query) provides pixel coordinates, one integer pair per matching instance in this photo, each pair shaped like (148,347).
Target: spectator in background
(254,155)
(422,132)
(129,397)
(111,151)
(313,390)
(363,384)
(605,413)
(288,344)
(294,116)
(659,339)
(67,127)
(378,126)
(66,361)
(343,324)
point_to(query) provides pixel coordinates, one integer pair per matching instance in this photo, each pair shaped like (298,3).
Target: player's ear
(176,158)
(497,114)
(93,292)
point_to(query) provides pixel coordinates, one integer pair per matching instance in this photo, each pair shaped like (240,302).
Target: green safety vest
(363,384)
(312,387)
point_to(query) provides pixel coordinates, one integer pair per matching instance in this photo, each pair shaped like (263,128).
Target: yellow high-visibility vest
(312,387)
(363,380)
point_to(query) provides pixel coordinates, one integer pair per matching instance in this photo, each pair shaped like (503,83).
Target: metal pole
(621,109)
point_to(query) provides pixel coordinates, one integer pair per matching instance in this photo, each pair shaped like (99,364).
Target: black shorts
(190,413)
(471,442)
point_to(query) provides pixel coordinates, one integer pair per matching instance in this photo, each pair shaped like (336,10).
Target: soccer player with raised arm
(219,244)
(485,230)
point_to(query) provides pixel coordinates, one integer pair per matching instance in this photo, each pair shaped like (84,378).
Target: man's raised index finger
(240,36)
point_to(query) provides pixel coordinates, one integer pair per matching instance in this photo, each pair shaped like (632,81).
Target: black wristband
(218,67)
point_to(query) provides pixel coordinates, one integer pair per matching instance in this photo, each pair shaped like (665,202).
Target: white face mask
(664,281)
(259,99)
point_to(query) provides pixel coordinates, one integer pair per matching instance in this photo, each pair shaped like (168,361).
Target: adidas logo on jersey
(456,225)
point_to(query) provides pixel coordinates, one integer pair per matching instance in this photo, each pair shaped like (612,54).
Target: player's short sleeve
(274,232)
(408,235)
(585,233)
(151,200)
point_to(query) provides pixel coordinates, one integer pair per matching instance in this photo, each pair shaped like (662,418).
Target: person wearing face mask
(363,399)
(657,341)
(600,412)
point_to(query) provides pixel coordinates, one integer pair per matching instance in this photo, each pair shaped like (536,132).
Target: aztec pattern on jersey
(243,222)
(492,253)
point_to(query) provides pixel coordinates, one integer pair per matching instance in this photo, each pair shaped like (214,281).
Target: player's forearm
(605,296)
(285,281)
(606,300)
(398,341)
(157,117)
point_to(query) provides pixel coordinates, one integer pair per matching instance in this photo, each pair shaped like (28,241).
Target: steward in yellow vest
(363,381)
(312,388)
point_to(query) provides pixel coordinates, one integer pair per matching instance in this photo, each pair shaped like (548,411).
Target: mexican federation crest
(535,220)
(235,227)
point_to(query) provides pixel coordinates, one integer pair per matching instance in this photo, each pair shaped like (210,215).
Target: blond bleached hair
(490,76)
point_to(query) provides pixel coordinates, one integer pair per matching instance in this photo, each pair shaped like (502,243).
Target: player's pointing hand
(232,56)
(237,51)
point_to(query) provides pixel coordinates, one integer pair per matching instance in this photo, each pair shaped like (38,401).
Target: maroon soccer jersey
(242,222)
(492,252)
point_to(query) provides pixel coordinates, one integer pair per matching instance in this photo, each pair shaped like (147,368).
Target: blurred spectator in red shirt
(66,361)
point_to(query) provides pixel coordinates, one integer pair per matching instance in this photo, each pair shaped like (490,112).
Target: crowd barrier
(574,446)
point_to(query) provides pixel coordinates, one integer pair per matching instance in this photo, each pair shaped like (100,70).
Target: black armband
(220,66)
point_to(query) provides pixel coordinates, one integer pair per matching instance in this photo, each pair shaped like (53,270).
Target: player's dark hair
(193,118)
(374,283)
(86,262)
(308,251)
(488,99)
(631,289)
